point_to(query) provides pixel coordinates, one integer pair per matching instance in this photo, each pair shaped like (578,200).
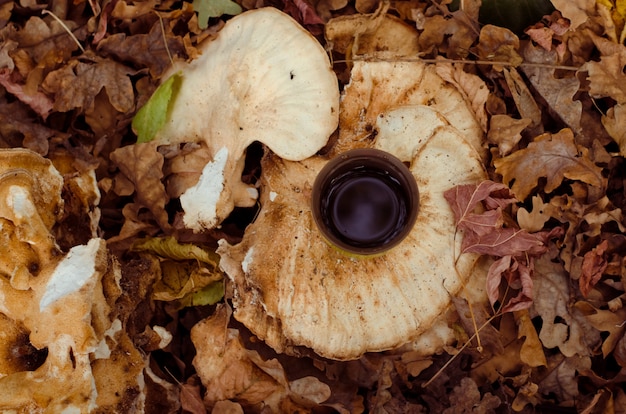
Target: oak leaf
(77,84)
(553,156)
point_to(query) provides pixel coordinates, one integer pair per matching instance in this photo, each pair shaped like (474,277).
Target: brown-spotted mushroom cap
(293,289)
(263,78)
(376,87)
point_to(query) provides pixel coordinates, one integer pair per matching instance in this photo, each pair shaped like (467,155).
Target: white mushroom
(293,290)
(263,78)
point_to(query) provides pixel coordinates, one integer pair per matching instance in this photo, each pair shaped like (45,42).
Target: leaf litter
(549,220)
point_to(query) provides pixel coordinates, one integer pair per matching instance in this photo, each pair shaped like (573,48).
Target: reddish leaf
(594,264)
(39,102)
(190,399)
(463,199)
(517,275)
(502,242)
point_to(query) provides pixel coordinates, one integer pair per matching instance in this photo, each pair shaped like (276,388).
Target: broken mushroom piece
(263,78)
(293,290)
(57,310)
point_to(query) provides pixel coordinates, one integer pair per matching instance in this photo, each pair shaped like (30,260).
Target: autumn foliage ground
(552,103)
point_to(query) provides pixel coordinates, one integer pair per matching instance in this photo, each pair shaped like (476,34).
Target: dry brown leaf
(553,156)
(593,266)
(466,398)
(498,44)
(505,132)
(537,218)
(523,98)
(615,124)
(563,326)
(607,78)
(458,34)
(142,165)
(371,33)
(605,321)
(562,379)
(144,50)
(558,92)
(77,84)
(474,90)
(577,11)
(531,352)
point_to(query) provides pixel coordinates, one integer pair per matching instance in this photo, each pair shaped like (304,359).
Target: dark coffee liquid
(364,207)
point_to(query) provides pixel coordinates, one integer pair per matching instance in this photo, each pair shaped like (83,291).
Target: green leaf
(208,295)
(153,115)
(214,8)
(170,248)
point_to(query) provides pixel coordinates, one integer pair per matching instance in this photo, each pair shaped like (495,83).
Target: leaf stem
(67,29)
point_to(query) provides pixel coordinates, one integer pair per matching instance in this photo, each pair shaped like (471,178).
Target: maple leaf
(483,231)
(554,156)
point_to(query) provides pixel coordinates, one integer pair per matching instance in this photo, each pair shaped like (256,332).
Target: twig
(465,345)
(64,26)
(167,49)
(461,61)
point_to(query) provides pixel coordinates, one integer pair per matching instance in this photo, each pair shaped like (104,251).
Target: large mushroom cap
(293,289)
(264,78)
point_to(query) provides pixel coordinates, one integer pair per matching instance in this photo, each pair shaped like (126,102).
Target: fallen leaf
(605,320)
(214,8)
(531,352)
(505,132)
(170,248)
(615,124)
(594,264)
(606,77)
(518,276)
(142,165)
(77,84)
(559,92)
(562,379)
(553,156)
(577,11)
(523,98)
(466,398)
(190,399)
(537,218)
(39,102)
(498,44)
(563,326)
(154,50)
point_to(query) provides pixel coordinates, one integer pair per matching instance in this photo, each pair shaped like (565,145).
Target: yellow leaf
(532,350)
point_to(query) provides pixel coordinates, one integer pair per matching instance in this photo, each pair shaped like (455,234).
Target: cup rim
(374,158)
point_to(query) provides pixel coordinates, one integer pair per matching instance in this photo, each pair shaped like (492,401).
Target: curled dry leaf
(505,132)
(553,156)
(594,265)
